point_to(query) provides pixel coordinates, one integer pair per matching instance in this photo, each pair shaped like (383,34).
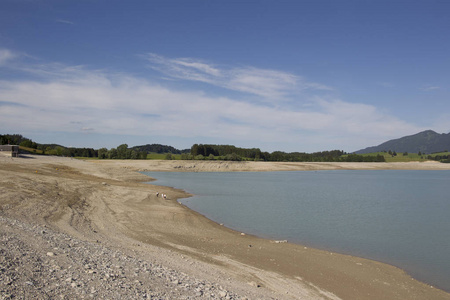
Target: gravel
(38,262)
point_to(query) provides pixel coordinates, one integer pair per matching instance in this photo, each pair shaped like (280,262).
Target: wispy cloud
(75,99)
(65,21)
(429,88)
(6,55)
(265,83)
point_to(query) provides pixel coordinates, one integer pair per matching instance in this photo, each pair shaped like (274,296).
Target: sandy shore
(252,166)
(103,203)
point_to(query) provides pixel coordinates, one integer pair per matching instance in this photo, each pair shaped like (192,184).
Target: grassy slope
(405,158)
(30,150)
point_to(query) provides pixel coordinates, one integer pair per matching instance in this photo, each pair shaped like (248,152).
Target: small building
(10,150)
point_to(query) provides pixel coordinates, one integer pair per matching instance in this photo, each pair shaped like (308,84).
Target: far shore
(111,204)
(260,166)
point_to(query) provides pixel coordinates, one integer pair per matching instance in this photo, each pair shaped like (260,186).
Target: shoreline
(301,166)
(246,166)
(121,212)
(300,244)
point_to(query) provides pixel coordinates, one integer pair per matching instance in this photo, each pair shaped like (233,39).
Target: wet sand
(106,201)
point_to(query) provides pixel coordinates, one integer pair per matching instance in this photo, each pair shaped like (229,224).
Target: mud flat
(92,229)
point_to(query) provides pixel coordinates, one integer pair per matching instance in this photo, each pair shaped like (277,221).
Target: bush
(232,157)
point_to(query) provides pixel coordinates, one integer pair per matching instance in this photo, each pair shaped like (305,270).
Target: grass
(406,158)
(30,150)
(162,156)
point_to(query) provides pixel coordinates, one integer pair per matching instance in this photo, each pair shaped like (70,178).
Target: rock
(280,242)
(254,284)
(222,294)
(82,269)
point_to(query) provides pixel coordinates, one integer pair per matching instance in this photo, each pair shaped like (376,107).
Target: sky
(294,76)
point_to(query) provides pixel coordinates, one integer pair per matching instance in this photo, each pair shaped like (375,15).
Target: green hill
(158,148)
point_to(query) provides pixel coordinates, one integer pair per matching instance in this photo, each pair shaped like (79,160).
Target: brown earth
(103,203)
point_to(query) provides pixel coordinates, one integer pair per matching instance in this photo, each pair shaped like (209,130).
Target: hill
(158,148)
(426,142)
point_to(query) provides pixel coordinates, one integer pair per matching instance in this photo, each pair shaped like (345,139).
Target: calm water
(398,217)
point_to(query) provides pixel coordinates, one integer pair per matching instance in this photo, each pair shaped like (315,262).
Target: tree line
(12,139)
(158,148)
(121,152)
(197,152)
(46,149)
(225,152)
(229,152)
(440,158)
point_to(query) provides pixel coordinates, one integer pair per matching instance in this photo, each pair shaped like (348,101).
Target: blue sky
(278,75)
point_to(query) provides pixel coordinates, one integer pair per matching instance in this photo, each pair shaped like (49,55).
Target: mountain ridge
(427,141)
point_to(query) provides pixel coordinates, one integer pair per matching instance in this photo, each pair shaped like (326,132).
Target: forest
(229,152)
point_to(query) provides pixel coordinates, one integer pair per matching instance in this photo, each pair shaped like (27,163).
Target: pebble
(86,270)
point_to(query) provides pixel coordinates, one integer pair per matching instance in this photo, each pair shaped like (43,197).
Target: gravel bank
(37,262)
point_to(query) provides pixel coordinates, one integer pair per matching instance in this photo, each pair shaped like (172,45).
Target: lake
(394,216)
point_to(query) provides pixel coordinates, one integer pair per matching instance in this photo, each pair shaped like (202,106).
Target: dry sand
(103,203)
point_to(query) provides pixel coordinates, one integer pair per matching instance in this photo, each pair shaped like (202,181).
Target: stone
(254,284)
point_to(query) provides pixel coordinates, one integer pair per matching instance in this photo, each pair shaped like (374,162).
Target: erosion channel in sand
(51,206)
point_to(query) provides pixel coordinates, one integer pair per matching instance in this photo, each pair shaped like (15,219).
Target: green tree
(112,153)
(122,151)
(194,150)
(102,153)
(186,156)
(143,155)
(50,151)
(26,143)
(59,150)
(134,154)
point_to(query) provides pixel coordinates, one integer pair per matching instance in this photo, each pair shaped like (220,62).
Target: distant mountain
(158,148)
(426,142)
